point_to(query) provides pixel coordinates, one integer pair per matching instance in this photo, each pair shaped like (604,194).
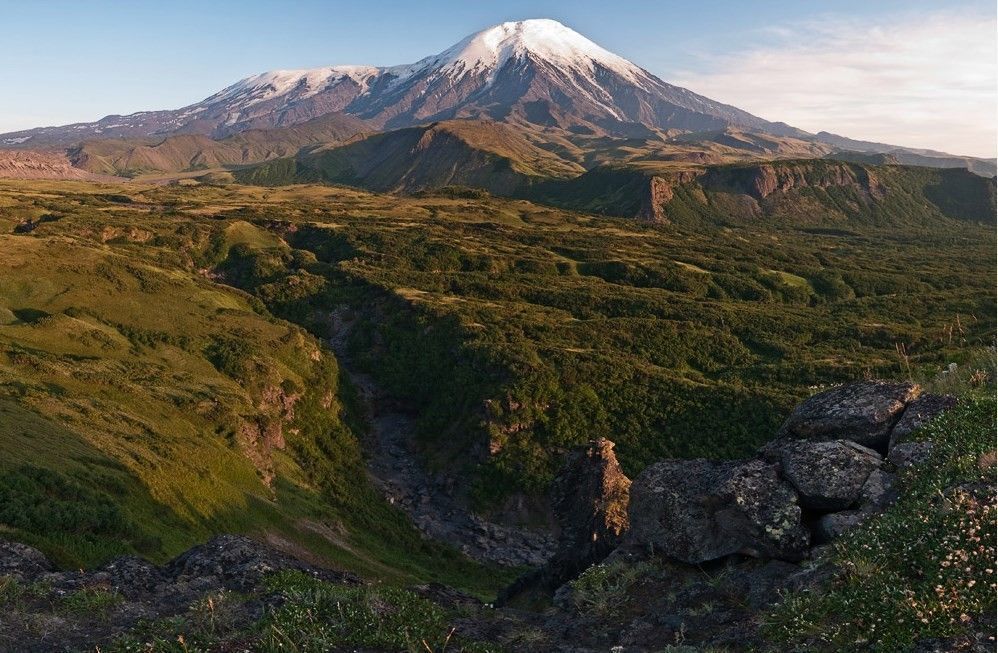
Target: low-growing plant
(602,589)
(925,568)
(318,616)
(92,601)
(11,590)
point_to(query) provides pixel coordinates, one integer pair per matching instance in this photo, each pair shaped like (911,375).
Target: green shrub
(92,602)
(317,616)
(603,588)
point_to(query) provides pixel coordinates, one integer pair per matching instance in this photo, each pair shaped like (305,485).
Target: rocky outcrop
(863,412)
(828,475)
(700,510)
(590,497)
(762,180)
(22,561)
(659,192)
(816,480)
(877,493)
(135,591)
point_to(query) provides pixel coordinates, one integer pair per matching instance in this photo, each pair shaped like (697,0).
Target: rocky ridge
(133,589)
(26,164)
(763,521)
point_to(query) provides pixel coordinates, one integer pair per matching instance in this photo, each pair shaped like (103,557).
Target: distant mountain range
(545,100)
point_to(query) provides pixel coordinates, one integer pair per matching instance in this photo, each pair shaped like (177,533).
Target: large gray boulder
(878,492)
(918,413)
(700,510)
(828,475)
(862,412)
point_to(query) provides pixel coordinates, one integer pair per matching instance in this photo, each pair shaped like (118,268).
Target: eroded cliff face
(814,192)
(659,192)
(26,164)
(753,184)
(761,181)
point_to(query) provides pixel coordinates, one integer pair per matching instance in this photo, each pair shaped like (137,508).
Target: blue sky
(884,70)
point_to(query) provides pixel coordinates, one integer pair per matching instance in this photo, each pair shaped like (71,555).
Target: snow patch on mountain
(483,53)
(305,83)
(548,40)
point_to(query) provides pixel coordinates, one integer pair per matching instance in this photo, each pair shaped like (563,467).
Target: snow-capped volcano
(533,71)
(547,40)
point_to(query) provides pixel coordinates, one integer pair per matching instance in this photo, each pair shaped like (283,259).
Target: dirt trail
(428,500)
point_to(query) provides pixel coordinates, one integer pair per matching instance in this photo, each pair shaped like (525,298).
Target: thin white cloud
(927,81)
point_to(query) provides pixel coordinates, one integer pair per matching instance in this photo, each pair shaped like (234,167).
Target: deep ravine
(428,501)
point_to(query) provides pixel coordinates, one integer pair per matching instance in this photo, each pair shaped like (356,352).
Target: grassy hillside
(146,407)
(516,330)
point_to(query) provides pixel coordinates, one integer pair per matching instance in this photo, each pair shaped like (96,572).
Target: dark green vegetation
(671,342)
(515,330)
(308,615)
(925,568)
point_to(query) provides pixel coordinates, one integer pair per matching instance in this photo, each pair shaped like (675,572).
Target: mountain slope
(913,156)
(474,153)
(195,151)
(27,164)
(537,74)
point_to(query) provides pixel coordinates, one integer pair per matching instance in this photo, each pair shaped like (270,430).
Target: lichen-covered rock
(907,454)
(237,562)
(835,524)
(918,413)
(863,412)
(828,475)
(701,510)
(22,561)
(878,492)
